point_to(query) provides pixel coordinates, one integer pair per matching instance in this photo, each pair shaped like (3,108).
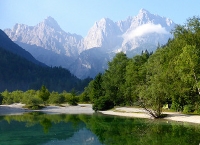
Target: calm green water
(43,129)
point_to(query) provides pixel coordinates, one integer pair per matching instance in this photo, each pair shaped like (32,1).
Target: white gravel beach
(17,108)
(141,113)
(79,109)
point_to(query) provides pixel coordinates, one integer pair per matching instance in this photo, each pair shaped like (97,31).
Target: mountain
(133,33)
(90,62)
(19,70)
(48,43)
(6,42)
(146,29)
(49,36)
(105,34)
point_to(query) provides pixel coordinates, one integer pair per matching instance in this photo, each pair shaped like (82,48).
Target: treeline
(17,73)
(34,99)
(170,76)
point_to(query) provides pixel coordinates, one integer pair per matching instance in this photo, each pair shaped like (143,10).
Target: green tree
(17,96)
(56,98)
(187,67)
(73,99)
(44,94)
(153,93)
(184,54)
(135,77)
(84,97)
(114,79)
(7,97)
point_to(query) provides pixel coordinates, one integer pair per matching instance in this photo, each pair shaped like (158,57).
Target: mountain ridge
(19,70)
(14,48)
(141,32)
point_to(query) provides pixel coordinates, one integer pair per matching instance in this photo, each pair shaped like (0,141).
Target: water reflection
(36,128)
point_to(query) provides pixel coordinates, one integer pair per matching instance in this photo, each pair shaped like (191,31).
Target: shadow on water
(38,128)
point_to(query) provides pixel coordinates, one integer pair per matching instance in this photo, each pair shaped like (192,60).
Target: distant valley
(86,57)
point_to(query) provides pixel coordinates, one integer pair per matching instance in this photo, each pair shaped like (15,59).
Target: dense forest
(17,73)
(168,77)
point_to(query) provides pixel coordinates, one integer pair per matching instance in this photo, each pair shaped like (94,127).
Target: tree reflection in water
(37,128)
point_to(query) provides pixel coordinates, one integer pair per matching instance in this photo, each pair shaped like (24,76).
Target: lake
(44,129)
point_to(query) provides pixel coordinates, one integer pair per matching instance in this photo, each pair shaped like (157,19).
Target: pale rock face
(147,28)
(132,33)
(87,56)
(105,34)
(48,35)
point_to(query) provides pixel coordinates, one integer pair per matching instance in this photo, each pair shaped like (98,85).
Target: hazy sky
(78,16)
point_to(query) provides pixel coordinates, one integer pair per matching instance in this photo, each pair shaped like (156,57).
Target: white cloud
(145,29)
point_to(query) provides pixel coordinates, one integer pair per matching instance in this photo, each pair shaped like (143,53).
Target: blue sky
(78,16)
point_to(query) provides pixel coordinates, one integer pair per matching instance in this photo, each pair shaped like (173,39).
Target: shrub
(7,97)
(66,95)
(73,101)
(56,98)
(84,98)
(33,101)
(188,109)
(102,103)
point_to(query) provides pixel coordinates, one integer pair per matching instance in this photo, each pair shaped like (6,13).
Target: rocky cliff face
(105,34)
(47,35)
(48,43)
(133,33)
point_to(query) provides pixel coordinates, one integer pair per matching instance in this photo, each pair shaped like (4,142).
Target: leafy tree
(135,77)
(66,95)
(114,79)
(56,98)
(17,96)
(96,87)
(154,93)
(184,61)
(73,99)
(28,95)
(7,97)
(84,97)
(44,94)
(102,103)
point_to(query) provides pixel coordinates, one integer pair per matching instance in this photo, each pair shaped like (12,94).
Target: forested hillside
(170,76)
(9,45)
(17,73)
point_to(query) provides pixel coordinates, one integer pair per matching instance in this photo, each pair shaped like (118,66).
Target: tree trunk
(150,112)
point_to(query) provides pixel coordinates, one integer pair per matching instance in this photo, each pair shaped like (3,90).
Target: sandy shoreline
(17,109)
(141,113)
